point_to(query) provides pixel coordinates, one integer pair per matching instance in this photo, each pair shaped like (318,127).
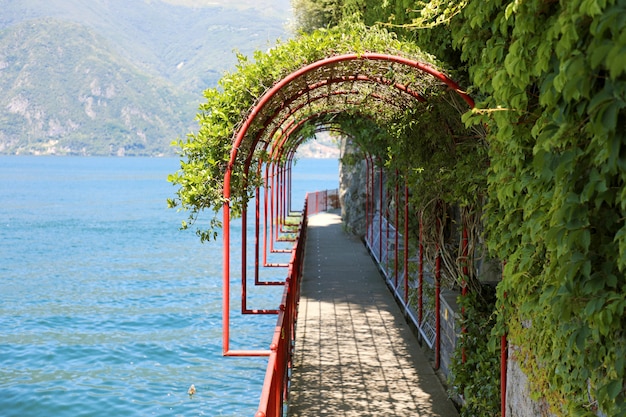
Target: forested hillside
(117,77)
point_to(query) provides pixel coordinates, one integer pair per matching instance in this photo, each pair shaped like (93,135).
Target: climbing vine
(553,75)
(445,168)
(551,79)
(476,377)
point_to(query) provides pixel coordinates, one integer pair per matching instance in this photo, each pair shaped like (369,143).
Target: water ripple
(106,309)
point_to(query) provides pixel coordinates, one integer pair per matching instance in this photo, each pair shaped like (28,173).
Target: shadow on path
(355,354)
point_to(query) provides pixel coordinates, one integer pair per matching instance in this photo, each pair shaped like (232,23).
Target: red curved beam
(286,124)
(364,78)
(327,82)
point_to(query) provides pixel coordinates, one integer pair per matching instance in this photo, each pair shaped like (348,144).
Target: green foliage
(443,159)
(410,20)
(555,105)
(550,76)
(477,380)
(315,14)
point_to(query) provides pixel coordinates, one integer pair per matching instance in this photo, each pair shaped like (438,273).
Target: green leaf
(615,61)
(614,388)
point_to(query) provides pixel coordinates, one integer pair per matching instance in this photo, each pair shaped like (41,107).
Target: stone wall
(518,401)
(352,187)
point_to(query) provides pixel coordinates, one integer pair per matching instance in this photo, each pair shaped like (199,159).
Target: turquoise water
(106,308)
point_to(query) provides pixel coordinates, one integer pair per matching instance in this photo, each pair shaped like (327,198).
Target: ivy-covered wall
(553,77)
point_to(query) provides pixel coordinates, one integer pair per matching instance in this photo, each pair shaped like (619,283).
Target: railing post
(503,370)
(406,241)
(397,251)
(504,356)
(437,300)
(244,258)
(465,271)
(367,201)
(274,207)
(380,214)
(387,226)
(265,210)
(420,277)
(257,215)
(275,385)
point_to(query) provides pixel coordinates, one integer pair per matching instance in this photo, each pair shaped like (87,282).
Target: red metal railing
(388,245)
(276,383)
(320,201)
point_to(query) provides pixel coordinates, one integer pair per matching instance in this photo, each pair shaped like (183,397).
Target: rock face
(352,190)
(518,400)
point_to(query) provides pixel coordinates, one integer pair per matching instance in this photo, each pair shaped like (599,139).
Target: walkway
(355,354)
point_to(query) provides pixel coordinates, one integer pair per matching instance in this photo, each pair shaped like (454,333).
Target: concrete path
(355,354)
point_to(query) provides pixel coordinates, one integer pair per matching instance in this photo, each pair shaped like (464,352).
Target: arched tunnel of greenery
(536,169)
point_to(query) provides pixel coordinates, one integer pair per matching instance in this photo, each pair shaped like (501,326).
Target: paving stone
(354,354)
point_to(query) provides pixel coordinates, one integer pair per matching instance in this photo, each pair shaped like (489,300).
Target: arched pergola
(376,85)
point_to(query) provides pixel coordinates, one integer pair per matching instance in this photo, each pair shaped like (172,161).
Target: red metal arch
(258,109)
(330,82)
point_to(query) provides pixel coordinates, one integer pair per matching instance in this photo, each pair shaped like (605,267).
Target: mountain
(116,77)
(78,97)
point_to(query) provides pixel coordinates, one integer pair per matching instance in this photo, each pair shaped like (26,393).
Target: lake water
(106,308)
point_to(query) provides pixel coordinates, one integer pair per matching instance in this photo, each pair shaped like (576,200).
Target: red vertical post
(387,226)
(397,251)
(317,202)
(290,182)
(504,353)
(244,260)
(226,262)
(406,241)
(288,196)
(465,270)
(288,187)
(437,306)
(270,211)
(283,199)
(257,215)
(279,187)
(265,211)
(273,205)
(503,371)
(283,195)
(420,288)
(380,213)
(367,198)
(372,200)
